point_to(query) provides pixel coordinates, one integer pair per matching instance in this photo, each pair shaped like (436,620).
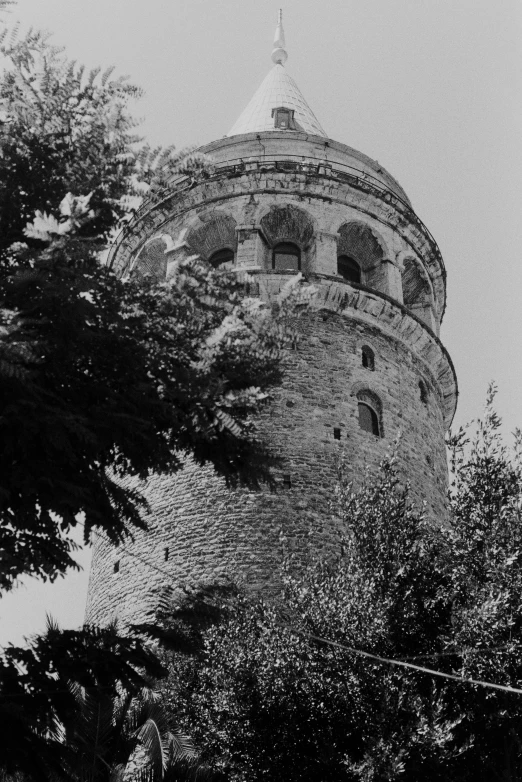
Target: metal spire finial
(279,53)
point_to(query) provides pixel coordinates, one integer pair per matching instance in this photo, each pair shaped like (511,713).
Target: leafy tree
(121,738)
(40,687)
(270,702)
(103,378)
(268,699)
(485,542)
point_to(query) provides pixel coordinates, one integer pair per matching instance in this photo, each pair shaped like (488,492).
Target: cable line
(361,653)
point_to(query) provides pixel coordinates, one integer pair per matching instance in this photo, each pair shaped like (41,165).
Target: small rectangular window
(117,566)
(287,483)
(337,433)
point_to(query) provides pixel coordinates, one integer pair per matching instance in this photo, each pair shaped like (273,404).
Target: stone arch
(358,241)
(151,262)
(287,224)
(369,402)
(416,290)
(214,231)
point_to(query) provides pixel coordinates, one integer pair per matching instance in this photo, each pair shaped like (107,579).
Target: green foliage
(40,688)
(103,379)
(62,131)
(485,570)
(116,378)
(112,738)
(269,700)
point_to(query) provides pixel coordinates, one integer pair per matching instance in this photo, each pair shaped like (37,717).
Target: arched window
(368,419)
(221,256)
(286,257)
(368,358)
(369,411)
(348,268)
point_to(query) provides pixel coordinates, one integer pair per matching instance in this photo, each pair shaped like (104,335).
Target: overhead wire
(353,650)
(377,658)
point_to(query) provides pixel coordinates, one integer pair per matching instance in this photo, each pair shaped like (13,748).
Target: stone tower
(369,363)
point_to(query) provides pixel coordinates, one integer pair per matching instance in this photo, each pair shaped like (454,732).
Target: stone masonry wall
(202,532)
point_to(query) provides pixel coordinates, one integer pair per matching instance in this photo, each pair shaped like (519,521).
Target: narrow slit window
(286,257)
(423,392)
(348,268)
(368,358)
(166,554)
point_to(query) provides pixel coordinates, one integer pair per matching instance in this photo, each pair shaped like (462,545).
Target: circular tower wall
(368,365)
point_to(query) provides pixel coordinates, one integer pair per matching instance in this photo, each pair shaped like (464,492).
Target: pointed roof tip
(278,90)
(279,53)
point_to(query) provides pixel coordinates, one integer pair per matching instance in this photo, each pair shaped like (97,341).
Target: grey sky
(430,88)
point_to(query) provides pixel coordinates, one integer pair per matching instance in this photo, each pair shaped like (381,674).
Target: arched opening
(416,291)
(348,268)
(370,412)
(286,257)
(289,233)
(214,238)
(368,358)
(368,419)
(360,253)
(221,257)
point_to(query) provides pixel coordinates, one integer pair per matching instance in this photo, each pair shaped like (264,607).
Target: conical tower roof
(277,91)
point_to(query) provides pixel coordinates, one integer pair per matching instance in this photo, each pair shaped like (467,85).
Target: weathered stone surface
(200,531)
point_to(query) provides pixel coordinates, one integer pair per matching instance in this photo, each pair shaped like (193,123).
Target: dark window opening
(166,554)
(348,269)
(286,257)
(221,256)
(368,358)
(117,566)
(287,483)
(337,433)
(368,419)
(423,392)
(284,118)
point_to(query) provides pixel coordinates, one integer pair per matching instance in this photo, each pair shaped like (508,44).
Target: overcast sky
(430,88)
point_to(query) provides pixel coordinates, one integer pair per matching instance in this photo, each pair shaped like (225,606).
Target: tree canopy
(283,690)
(104,378)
